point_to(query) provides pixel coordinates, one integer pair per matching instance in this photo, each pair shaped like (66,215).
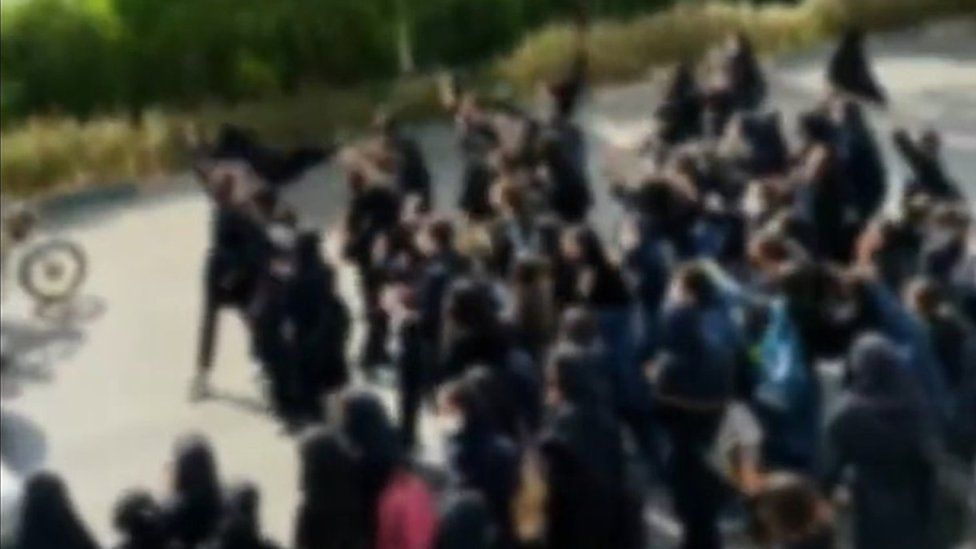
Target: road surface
(102,396)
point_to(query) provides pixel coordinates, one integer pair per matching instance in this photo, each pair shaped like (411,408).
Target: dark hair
(579,326)
(470,395)
(195,468)
(696,282)
(194,512)
(139,517)
(441,232)
(590,245)
(368,428)
(572,372)
(470,305)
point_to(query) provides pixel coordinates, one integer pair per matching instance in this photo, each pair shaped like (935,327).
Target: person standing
(883,433)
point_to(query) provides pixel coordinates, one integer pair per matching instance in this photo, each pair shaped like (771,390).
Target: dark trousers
(696,489)
(410,399)
(373,352)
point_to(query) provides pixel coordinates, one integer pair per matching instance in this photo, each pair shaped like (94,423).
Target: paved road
(101,397)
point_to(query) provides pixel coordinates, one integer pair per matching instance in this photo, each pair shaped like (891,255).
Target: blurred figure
(883,434)
(479,454)
(589,505)
(850,72)
(789,513)
(923,157)
(191,513)
(139,521)
(466,523)
(410,170)
(330,515)
(399,509)
(49,519)
(741,72)
(240,526)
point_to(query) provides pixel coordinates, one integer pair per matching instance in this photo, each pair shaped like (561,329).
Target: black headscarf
(330,515)
(376,443)
(139,519)
(193,511)
(850,71)
(49,517)
(240,526)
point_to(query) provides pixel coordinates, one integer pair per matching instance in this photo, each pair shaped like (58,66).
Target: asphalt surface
(100,395)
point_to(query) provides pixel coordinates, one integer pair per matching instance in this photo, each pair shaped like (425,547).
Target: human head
(48,517)
(194,467)
(365,423)
(931,142)
(470,305)
(788,508)
(693,284)
(571,378)
(581,244)
(923,296)
(437,236)
(878,371)
(579,327)
(138,518)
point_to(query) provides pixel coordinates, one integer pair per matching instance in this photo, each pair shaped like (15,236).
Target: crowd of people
(573,371)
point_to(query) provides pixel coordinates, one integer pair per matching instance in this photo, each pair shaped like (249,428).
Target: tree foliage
(83,57)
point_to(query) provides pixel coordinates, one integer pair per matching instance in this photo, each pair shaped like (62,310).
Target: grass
(53,155)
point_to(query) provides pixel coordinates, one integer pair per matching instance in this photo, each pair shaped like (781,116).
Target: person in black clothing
(679,116)
(374,211)
(742,74)
(330,515)
(884,434)
(861,160)
(588,506)
(821,181)
(563,157)
(410,173)
(408,349)
(365,424)
(849,70)
(321,327)
(276,168)
(49,519)
(478,139)
(275,330)
(923,158)
(481,457)
(235,260)
(192,512)
(138,518)
(693,376)
(240,526)
(474,334)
